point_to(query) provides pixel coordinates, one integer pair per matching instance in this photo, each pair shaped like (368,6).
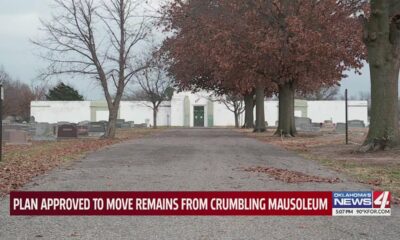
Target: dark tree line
(18,96)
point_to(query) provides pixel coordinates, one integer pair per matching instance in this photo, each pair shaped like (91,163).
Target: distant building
(188,109)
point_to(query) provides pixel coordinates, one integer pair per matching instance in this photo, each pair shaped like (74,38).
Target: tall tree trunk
(112,122)
(249,110)
(236,118)
(286,122)
(155,110)
(382,37)
(260,115)
(383,131)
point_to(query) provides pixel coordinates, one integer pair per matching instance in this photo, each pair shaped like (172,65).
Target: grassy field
(380,170)
(21,163)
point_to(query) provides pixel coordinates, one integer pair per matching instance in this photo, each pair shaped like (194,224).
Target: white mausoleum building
(188,109)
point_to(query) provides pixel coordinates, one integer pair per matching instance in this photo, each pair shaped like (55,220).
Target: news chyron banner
(200,204)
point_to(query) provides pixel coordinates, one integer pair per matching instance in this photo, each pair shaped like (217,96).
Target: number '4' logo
(381,199)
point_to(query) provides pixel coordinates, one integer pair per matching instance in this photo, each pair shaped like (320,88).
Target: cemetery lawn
(21,163)
(380,170)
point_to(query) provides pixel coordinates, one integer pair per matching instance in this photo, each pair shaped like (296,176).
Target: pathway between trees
(190,160)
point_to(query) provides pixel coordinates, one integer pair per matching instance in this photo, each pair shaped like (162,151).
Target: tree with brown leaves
(303,46)
(268,46)
(207,52)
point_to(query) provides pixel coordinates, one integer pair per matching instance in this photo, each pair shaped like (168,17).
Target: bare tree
(17,97)
(234,103)
(154,86)
(324,93)
(98,39)
(39,92)
(3,75)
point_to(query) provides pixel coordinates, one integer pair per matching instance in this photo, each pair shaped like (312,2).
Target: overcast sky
(19,22)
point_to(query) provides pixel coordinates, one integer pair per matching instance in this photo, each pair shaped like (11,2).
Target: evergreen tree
(63,92)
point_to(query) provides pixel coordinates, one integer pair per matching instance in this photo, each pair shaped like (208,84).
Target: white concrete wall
(271,112)
(224,117)
(171,113)
(177,110)
(164,115)
(319,111)
(102,115)
(59,111)
(358,110)
(140,111)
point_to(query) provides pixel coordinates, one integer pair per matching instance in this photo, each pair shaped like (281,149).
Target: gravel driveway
(186,160)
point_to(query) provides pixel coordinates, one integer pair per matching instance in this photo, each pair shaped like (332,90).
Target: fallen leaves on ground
(288,176)
(22,163)
(380,170)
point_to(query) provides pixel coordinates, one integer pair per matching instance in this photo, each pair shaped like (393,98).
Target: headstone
(43,132)
(96,129)
(10,119)
(328,124)
(131,124)
(125,125)
(67,131)
(19,119)
(302,123)
(16,126)
(83,130)
(147,121)
(54,127)
(15,137)
(84,123)
(316,125)
(104,122)
(143,125)
(120,122)
(356,124)
(32,129)
(340,127)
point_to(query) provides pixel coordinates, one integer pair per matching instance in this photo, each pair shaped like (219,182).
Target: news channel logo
(361,204)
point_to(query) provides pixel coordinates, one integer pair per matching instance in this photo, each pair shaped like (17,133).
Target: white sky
(19,22)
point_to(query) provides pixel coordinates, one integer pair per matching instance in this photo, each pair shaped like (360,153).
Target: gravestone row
(96,129)
(353,124)
(306,124)
(20,133)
